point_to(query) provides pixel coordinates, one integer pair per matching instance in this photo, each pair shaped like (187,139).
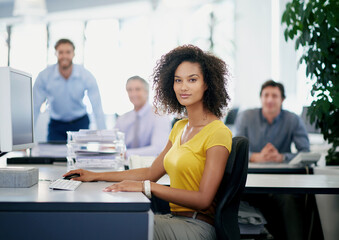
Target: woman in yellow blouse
(192,83)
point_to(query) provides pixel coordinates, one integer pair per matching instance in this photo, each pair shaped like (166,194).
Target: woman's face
(189,85)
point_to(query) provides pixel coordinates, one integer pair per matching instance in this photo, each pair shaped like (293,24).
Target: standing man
(64,86)
(146,133)
(271,131)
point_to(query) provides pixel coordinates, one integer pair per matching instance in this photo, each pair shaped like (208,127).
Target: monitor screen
(16,107)
(21,109)
(309,127)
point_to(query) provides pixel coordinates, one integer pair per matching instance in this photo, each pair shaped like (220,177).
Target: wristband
(147,189)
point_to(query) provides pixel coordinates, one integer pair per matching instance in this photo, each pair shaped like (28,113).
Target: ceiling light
(29,8)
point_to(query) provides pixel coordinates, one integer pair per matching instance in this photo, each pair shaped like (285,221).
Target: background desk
(292,183)
(286,183)
(279,168)
(87,213)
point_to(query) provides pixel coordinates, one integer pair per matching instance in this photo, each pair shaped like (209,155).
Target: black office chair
(230,190)
(231,116)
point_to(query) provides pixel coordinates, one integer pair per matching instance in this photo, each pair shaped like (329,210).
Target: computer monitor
(309,127)
(16,110)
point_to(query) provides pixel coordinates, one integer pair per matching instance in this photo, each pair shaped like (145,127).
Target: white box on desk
(18,177)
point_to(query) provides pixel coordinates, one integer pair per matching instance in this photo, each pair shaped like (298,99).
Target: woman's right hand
(85,176)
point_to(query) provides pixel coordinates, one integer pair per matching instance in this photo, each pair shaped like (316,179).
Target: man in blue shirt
(271,131)
(64,85)
(146,133)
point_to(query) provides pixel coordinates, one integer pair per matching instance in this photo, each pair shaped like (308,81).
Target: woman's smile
(184,96)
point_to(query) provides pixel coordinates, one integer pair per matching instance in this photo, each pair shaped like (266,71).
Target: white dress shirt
(153,131)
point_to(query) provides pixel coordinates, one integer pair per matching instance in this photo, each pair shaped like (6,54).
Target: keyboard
(63,184)
(35,160)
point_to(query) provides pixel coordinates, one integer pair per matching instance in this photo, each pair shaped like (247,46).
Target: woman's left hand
(125,186)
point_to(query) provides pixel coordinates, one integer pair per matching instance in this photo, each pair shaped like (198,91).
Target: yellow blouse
(185,163)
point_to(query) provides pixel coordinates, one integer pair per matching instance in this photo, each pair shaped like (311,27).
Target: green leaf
(286,34)
(291,35)
(284,17)
(297,43)
(321,17)
(332,19)
(336,100)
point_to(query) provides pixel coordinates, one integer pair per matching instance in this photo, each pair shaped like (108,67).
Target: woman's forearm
(191,199)
(134,174)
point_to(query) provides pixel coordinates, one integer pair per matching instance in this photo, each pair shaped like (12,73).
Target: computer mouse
(69,177)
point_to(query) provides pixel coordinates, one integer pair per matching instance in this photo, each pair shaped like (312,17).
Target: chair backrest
(230,190)
(231,116)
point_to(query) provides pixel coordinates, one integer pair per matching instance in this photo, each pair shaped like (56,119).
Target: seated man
(146,133)
(271,131)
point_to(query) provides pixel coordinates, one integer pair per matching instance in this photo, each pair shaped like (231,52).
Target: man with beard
(63,86)
(271,130)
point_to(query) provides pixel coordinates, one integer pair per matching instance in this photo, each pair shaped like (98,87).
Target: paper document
(49,150)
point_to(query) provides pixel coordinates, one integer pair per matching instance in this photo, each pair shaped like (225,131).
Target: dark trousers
(57,129)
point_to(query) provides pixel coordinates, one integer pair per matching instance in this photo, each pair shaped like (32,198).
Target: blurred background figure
(145,132)
(64,86)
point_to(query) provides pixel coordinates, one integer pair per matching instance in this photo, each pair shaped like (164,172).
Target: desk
(292,183)
(87,213)
(279,168)
(286,183)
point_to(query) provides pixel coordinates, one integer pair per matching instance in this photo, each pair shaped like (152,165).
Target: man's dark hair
(63,41)
(271,83)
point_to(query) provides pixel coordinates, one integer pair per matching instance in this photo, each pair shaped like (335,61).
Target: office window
(166,28)
(102,59)
(28,47)
(135,52)
(3,45)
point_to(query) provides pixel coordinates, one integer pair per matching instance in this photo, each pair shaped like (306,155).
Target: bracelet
(147,189)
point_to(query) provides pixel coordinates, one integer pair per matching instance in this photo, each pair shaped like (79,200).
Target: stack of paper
(49,150)
(96,149)
(94,135)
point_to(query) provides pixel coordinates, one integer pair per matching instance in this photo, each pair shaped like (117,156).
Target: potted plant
(315,25)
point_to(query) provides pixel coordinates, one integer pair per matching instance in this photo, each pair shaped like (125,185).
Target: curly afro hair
(215,73)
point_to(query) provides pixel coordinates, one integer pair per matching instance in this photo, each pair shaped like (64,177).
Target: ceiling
(54,6)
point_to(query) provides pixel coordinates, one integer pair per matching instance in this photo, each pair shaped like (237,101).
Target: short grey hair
(143,81)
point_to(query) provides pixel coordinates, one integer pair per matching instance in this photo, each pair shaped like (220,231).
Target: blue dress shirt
(65,96)
(153,131)
(286,128)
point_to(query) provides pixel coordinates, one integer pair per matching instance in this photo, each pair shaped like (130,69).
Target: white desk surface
(286,183)
(293,183)
(86,193)
(272,165)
